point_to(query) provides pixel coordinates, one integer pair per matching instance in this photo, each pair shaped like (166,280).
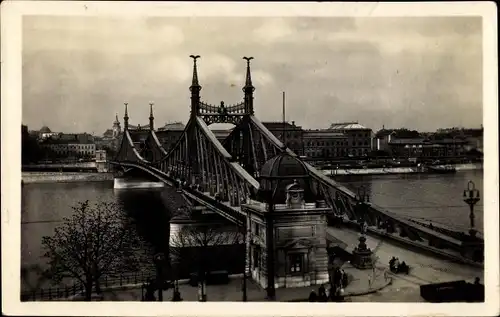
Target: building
(406,143)
(195,234)
(221,135)
(324,144)
(170,133)
(473,137)
(111,138)
(45,133)
(69,146)
(293,134)
(287,243)
(384,137)
(359,138)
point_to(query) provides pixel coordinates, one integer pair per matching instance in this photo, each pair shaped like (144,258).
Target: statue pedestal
(362,255)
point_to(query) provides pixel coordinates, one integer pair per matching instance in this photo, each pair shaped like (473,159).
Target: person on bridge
(322,294)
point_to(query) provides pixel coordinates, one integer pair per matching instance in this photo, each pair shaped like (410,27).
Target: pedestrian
(312,296)
(344,279)
(322,293)
(331,293)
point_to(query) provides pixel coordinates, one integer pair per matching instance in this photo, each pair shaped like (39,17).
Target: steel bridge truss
(222,176)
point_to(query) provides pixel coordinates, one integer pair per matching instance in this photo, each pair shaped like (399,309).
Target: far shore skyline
(227,126)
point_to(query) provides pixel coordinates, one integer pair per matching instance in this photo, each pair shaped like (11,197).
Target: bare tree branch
(95,241)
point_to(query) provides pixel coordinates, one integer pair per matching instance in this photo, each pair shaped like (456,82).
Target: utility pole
(284,121)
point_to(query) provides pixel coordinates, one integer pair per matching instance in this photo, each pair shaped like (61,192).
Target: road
(425,268)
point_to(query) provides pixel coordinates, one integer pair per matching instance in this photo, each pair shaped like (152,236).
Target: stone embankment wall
(54,177)
(396,170)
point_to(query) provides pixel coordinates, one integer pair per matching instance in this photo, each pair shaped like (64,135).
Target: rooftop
(323,133)
(348,126)
(281,171)
(279,125)
(45,129)
(173,126)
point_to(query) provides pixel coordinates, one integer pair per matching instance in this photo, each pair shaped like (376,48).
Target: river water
(434,197)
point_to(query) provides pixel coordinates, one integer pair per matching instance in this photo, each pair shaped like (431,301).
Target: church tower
(117,129)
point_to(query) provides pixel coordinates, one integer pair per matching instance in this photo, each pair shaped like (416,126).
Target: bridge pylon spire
(125,117)
(151,117)
(249,88)
(195,88)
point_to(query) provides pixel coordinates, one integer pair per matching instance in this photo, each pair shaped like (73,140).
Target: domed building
(45,133)
(45,129)
(278,173)
(287,245)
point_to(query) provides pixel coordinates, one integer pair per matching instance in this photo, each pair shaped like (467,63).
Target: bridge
(224,175)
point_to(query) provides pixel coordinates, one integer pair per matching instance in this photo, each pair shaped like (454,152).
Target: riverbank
(399,170)
(57,177)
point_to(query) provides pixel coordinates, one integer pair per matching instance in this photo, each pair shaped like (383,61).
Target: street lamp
(362,255)
(363,199)
(159,260)
(471,197)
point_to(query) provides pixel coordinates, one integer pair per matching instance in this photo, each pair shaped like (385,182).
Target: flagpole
(284,122)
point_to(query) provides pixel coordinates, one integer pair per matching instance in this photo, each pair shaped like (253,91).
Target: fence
(110,280)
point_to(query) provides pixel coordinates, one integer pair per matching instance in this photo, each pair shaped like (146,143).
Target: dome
(284,165)
(45,129)
(283,170)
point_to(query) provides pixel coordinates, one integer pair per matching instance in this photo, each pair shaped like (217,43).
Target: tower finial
(248,89)
(195,71)
(248,82)
(151,117)
(195,89)
(125,117)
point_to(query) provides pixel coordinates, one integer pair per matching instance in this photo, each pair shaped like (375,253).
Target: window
(296,261)
(256,258)
(257,233)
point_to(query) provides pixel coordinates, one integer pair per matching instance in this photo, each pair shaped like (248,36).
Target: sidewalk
(359,285)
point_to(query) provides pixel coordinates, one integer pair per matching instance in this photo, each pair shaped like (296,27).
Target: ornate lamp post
(362,255)
(471,197)
(159,260)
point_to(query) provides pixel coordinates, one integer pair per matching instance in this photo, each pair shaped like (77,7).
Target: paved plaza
(385,287)
(361,283)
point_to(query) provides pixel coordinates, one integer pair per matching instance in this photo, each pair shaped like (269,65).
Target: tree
(94,242)
(198,240)
(30,150)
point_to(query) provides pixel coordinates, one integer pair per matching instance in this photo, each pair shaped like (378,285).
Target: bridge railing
(344,201)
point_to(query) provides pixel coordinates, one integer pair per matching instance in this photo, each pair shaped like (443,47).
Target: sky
(420,73)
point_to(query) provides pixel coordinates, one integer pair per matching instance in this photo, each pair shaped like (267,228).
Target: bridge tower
(151,117)
(248,89)
(125,117)
(195,89)
(192,145)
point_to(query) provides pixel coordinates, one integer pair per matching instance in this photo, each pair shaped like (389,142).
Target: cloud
(374,70)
